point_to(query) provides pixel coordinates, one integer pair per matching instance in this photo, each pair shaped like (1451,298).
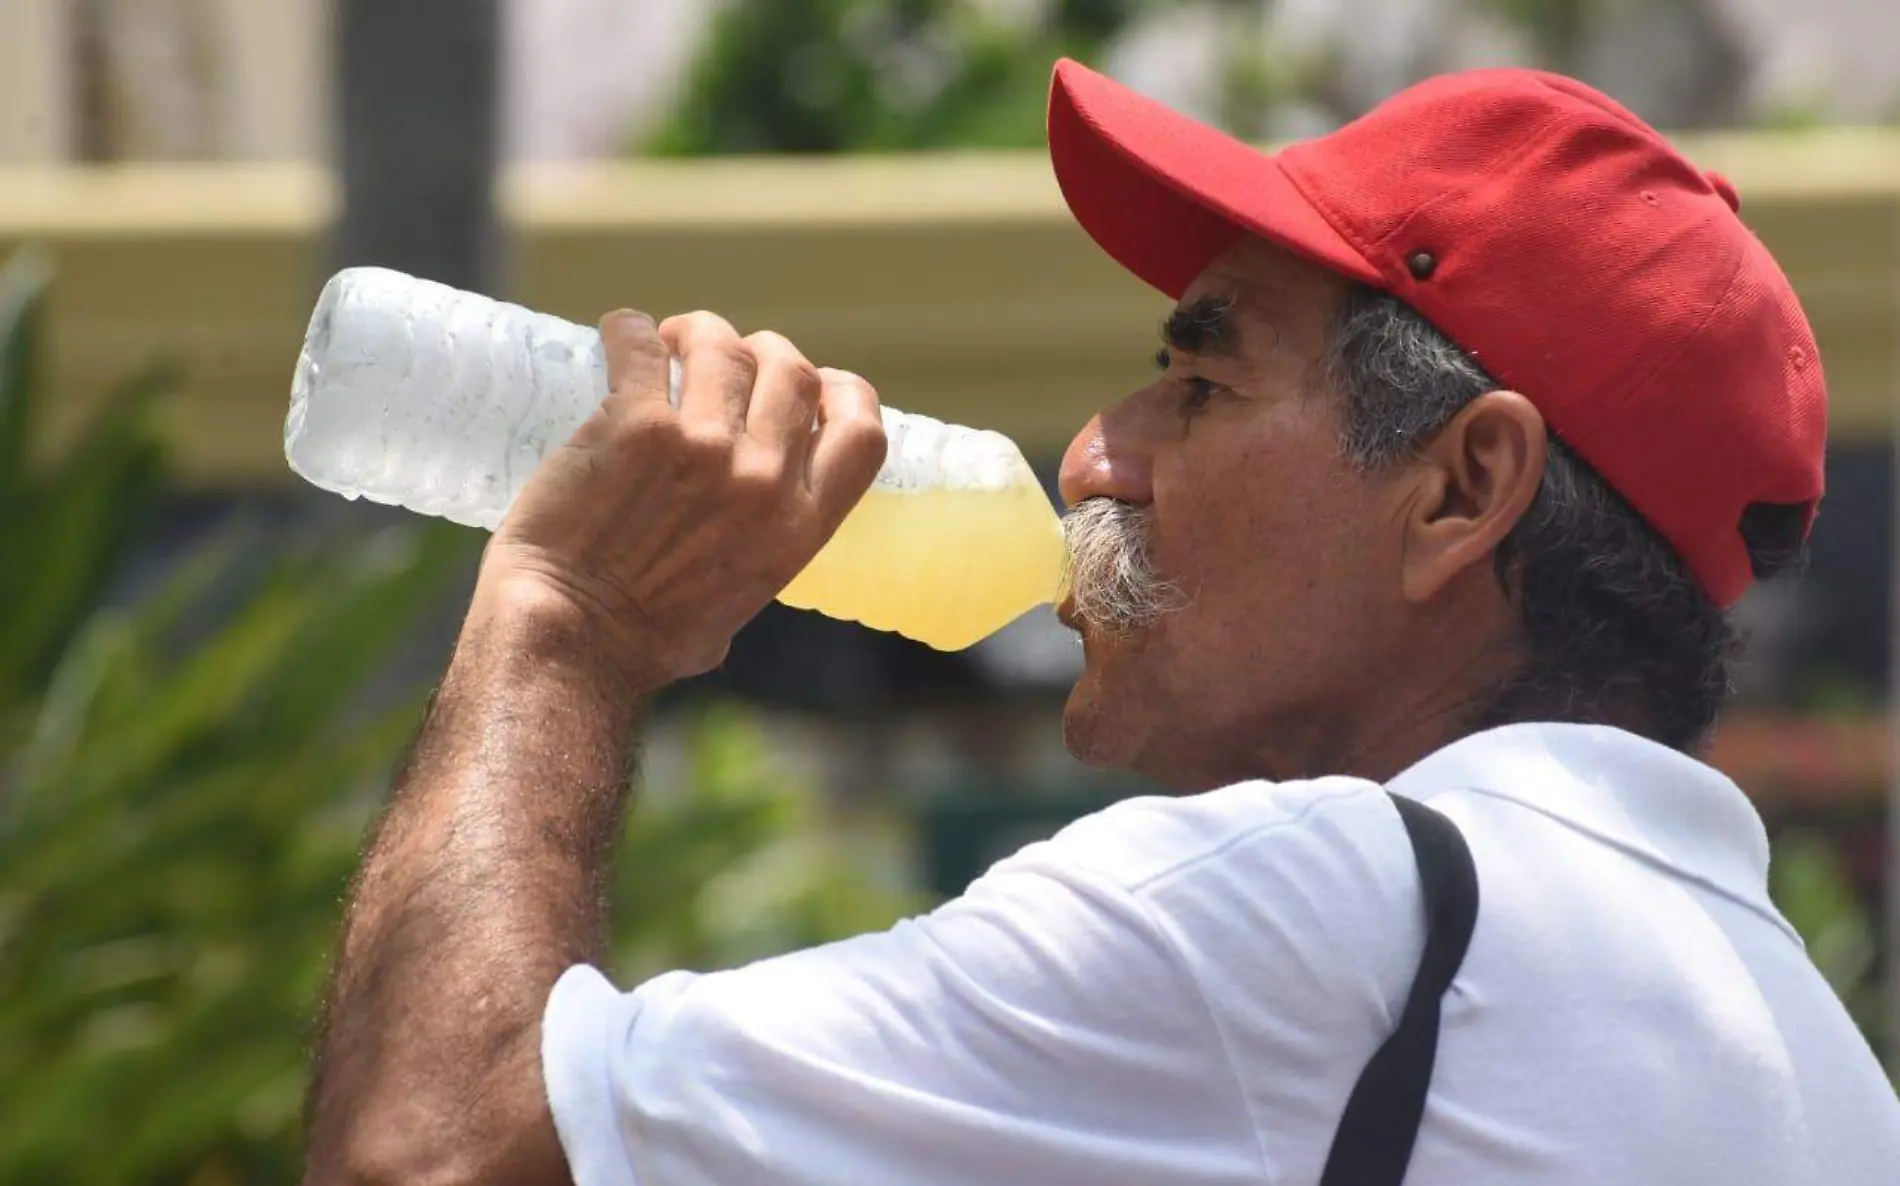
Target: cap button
(1422,264)
(1725,190)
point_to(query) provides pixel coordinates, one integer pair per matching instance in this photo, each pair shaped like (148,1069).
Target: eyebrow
(1204,325)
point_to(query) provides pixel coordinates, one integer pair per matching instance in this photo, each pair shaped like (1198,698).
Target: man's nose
(1105,461)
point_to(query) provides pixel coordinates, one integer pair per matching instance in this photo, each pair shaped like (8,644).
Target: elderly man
(1408,572)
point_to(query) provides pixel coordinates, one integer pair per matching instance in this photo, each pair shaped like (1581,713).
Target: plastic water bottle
(418,395)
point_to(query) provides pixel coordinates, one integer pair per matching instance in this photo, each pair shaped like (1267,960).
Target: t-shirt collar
(1627,791)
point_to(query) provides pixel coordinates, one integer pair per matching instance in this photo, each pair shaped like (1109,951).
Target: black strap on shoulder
(1373,1144)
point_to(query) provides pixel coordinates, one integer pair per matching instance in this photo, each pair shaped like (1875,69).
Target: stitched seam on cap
(1550,128)
(1366,246)
(1682,341)
(1588,446)
(1331,215)
(1146,167)
(1096,128)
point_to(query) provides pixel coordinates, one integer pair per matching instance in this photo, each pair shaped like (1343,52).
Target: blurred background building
(864,175)
(229,80)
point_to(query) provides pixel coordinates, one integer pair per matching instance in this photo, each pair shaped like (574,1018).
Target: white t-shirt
(1184,990)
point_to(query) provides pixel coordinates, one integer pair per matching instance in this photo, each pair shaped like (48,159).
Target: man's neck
(1431,701)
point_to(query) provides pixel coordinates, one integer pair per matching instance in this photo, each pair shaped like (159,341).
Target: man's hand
(630,559)
(663,530)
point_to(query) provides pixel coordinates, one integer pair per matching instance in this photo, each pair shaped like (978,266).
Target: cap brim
(1164,194)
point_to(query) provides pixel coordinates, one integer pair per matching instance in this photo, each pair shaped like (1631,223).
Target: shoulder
(1144,843)
(1307,886)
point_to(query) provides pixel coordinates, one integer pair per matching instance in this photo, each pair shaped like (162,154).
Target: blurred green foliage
(827,76)
(184,783)
(1810,885)
(1555,27)
(867,75)
(74,519)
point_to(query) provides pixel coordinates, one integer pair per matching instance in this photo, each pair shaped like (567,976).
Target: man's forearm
(632,556)
(485,881)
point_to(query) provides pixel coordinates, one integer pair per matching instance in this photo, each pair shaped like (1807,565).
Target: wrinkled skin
(1332,620)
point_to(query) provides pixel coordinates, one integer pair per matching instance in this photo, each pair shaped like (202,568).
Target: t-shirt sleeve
(1041,1028)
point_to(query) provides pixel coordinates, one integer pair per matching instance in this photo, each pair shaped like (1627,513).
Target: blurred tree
(854,75)
(146,75)
(73,519)
(1555,27)
(417,90)
(870,75)
(1678,63)
(183,785)
(1810,885)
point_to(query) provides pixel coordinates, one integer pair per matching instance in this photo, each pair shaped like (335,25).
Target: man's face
(1244,591)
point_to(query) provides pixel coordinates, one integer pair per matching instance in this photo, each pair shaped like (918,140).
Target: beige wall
(274,104)
(266,83)
(34,107)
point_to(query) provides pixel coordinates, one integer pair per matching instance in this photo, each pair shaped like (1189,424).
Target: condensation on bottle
(444,402)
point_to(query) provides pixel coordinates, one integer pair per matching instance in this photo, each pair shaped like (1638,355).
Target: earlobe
(1480,473)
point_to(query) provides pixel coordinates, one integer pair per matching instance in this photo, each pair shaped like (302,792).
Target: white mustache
(1111,576)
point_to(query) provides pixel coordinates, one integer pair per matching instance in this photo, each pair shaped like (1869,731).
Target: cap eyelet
(1422,264)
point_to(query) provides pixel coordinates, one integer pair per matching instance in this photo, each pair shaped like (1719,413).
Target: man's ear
(1475,479)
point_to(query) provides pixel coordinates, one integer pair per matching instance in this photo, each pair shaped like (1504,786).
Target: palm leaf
(184,784)
(76,521)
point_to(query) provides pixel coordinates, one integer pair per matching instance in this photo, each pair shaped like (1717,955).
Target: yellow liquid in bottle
(945,565)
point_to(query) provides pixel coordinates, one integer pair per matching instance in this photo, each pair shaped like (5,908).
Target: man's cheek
(1215,544)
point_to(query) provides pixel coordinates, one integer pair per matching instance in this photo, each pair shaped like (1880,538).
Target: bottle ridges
(419,395)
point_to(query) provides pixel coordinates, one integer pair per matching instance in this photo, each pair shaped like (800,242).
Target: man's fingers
(716,369)
(784,398)
(636,357)
(850,445)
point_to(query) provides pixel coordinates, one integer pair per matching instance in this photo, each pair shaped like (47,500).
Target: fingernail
(625,314)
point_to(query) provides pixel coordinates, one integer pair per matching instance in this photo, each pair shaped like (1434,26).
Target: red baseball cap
(1543,227)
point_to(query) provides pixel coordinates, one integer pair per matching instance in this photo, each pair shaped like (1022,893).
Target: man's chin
(1094,720)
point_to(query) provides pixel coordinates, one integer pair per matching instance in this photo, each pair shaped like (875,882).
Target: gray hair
(1616,630)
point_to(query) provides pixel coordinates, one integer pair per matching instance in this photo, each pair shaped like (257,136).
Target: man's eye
(1195,392)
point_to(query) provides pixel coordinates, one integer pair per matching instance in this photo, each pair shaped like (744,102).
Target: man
(1472,420)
